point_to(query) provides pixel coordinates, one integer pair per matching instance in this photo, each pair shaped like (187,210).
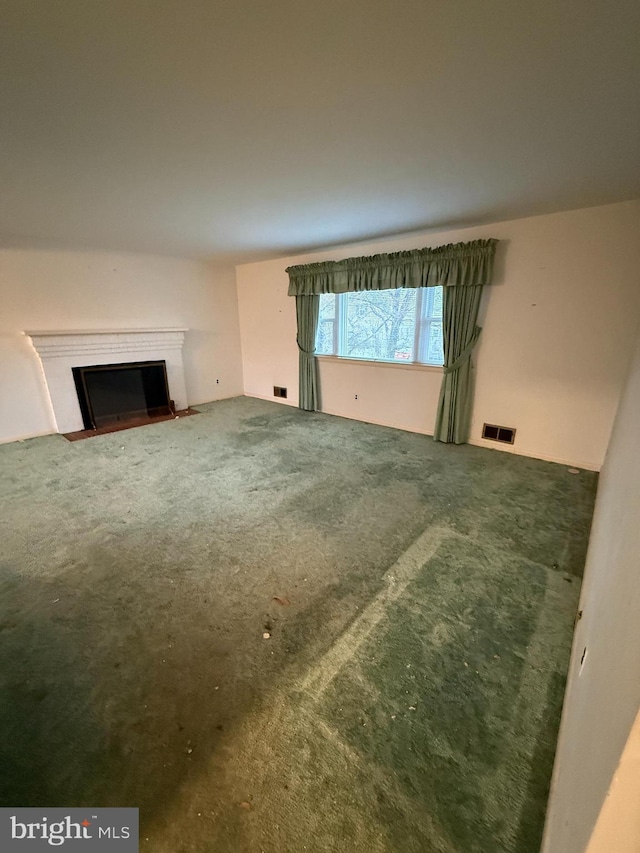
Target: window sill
(394,365)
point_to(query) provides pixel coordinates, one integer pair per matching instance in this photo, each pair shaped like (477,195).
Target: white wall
(88,290)
(602,701)
(618,826)
(558,331)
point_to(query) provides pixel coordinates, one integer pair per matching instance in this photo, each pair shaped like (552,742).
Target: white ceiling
(239,130)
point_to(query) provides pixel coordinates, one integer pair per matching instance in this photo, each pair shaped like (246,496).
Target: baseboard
(215,400)
(391,424)
(272,399)
(28,436)
(487,445)
(571,463)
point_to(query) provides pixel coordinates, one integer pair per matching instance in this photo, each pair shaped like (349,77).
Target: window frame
(423,321)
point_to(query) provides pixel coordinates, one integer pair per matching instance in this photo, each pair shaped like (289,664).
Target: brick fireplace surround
(60,351)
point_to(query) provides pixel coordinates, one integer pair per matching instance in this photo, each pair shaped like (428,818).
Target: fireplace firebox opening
(111,394)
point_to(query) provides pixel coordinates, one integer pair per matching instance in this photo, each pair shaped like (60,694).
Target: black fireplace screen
(113,393)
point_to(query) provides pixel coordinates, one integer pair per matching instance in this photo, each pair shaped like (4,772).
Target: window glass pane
(432,303)
(434,350)
(431,351)
(436,309)
(380,324)
(326,322)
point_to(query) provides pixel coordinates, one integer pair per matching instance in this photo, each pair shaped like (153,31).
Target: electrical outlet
(356,397)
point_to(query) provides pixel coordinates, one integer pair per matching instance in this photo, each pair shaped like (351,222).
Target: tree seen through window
(382,325)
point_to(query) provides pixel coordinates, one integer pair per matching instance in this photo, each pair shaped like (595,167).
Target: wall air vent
(499,433)
(279,392)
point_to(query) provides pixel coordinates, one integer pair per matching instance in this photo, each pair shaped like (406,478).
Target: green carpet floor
(409,694)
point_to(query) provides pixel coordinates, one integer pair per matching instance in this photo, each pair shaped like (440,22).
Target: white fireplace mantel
(60,351)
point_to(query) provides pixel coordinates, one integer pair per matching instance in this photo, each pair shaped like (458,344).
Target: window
(402,325)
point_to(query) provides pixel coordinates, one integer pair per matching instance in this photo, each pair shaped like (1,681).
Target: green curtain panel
(460,333)
(307,310)
(453,265)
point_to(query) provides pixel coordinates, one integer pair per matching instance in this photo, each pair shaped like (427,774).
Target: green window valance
(452,265)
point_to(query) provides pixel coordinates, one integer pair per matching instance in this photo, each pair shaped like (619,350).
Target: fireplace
(117,394)
(60,352)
